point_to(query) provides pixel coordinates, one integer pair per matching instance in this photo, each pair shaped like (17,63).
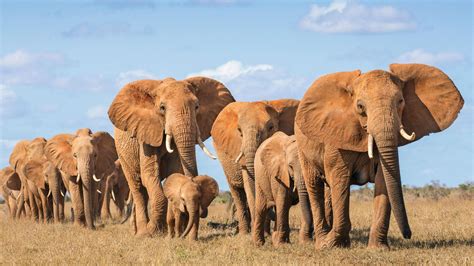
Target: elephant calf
(277,176)
(188,199)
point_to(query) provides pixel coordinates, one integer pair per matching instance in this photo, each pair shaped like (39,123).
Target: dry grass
(443,233)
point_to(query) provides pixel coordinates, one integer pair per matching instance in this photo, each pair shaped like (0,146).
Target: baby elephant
(277,177)
(188,199)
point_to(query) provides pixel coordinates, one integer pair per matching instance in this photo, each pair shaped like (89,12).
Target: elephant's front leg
(381,217)
(78,205)
(238,194)
(249,186)
(337,165)
(44,204)
(261,211)
(282,205)
(170,220)
(149,169)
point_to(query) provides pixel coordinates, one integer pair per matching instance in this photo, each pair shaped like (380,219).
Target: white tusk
(168,143)
(49,193)
(406,136)
(78,178)
(62,194)
(113,194)
(205,150)
(239,157)
(98,191)
(370,146)
(95,178)
(19,195)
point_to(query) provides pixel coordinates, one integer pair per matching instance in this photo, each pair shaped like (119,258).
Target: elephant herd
(345,130)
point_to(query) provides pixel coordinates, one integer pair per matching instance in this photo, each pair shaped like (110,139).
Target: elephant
(237,132)
(10,185)
(348,128)
(152,119)
(278,183)
(24,152)
(116,188)
(82,158)
(188,200)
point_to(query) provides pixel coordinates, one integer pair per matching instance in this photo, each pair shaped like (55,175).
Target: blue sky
(62,62)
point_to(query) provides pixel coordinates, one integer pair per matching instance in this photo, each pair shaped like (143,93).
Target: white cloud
(256,82)
(11,106)
(342,16)
(91,30)
(97,112)
(22,59)
(425,57)
(132,75)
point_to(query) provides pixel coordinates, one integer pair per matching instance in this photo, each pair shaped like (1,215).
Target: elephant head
(357,112)
(183,111)
(85,155)
(115,183)
(242,126)
(192,196)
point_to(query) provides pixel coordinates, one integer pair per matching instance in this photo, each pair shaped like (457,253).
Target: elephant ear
(209,189)
(224,132)
(326,113)
(432,101)
(34,172)
(59,152)
(172,189)
(272,157)
(286,109)
(106,153)
(133,110)
(18,155)
(10,178)
(213,97)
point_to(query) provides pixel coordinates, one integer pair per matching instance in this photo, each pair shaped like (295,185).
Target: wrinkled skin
(116,190)
(79,157)
(188,200)
(333,146)
(18,160)
(278,183)
(10,185)
(157,126)
(237,133)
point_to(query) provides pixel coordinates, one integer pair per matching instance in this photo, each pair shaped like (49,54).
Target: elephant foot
(279,238)
(333,241)
(304,237)
(142,233)
(378,244)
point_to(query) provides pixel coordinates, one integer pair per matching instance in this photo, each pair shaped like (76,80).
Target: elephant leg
(238,194)
(77,203)
(381,217)
(61,207)
(120,202)
(139,214)
(20,203)
(337,166)
(105,209)
(170,220)
(328,206)
(33,206)
(282,205)
(306,221)
(249,186)
(268,224)
(261,211)
(315,187)
(44,205)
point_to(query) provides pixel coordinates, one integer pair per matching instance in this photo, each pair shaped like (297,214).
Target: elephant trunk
(184,133)
(250,144)
(55,187)
(85,171)
(193,211)
(386,139)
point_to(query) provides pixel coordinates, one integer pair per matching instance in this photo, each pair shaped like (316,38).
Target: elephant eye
(162,108)
(75,155)
(360,107)
(197,106)
(400,101)
(270,128)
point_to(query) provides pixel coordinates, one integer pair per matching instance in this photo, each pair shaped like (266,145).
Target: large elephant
(157,125)
(237,132)
(188,200)
(279,184)
(10,186)
(24,152)
(348,129)
(117,190)
(82,158)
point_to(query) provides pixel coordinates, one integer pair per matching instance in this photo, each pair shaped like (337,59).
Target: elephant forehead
(377,81)
(176,90)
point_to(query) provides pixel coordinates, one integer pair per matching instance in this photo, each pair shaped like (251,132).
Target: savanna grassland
(441,220)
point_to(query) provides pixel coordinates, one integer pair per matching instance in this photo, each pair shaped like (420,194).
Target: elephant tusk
(406,136)
(239,157)
(168,143)
(370,146)
(62,194)
(113,194)
(49,193)
(205,150)
(78,178)
(95,178)
(19,195)
(98,191)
